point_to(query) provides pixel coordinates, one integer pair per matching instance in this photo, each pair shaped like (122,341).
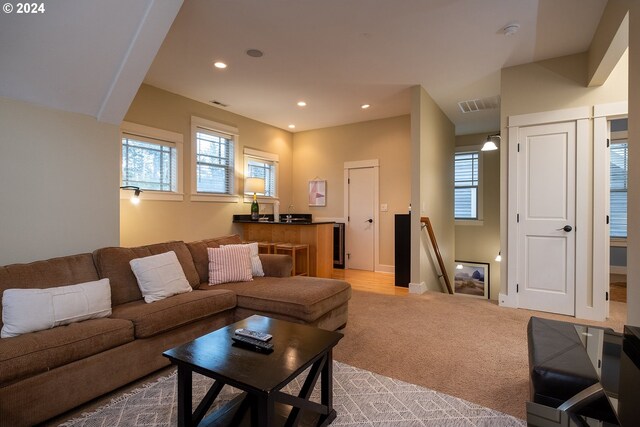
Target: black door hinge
(606,296)
(608,142)
(348,218)
(607,219)
(348,180)
(518,147)
(517,217)
(517,288)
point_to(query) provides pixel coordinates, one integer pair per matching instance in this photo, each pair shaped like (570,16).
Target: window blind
(214,162)
(466,185)
(148,163)
(619,166)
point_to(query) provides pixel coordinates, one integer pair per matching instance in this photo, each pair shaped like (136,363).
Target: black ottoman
(559,366)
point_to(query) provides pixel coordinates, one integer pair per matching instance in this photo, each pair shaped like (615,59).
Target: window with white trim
(619,167)
(151,159)
(466,183)
(260,164)
(213,161)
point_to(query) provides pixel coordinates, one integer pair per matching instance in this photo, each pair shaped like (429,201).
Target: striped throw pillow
(256,264)
(230,264)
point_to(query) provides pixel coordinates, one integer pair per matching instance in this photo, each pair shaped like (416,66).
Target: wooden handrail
(427,222)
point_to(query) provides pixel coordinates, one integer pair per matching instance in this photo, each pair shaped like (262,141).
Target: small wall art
(472,279)
(317,192)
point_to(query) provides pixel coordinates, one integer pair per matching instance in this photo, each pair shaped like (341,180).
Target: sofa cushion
(31,310)
(159,276)
(113,263)
(178,310)
(68,270)
(304,298)
(229,264)
(200,256)
(36,352)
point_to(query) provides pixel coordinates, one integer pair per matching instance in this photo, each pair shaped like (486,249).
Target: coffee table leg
(263,414)
(326,394)
(185,401)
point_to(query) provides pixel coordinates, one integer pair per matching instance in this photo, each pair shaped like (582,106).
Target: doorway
(361,198)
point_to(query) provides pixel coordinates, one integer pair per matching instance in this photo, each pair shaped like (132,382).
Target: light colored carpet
(361,398)
(466,347)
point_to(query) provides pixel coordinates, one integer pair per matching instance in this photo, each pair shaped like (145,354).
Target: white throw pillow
(160,276)
(31,310)
(256,264)
(230,264)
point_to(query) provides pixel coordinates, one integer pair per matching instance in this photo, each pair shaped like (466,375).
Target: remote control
(252,344)
(261,336)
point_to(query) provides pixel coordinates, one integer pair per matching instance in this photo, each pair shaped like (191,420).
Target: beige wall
(633,218)
(59,183)
(480,241)
(433,148)
(322,153)
(155,221)
(554,84)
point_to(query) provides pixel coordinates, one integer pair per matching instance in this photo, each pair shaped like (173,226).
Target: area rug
(361,398)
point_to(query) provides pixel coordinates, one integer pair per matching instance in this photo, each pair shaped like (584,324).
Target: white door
(547,212)
(360,226)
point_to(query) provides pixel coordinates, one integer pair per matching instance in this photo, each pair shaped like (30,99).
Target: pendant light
(489,145)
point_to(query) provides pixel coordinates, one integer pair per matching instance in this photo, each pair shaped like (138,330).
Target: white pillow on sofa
(160,276)
(31,310)
(229,264)
(256,264)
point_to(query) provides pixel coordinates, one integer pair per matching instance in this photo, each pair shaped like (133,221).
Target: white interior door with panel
(547,217)
(360,238)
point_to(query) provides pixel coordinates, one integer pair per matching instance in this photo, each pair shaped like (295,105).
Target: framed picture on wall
(472,279)
(317,192)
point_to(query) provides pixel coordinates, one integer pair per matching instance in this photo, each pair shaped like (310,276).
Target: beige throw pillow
(160,276)
(229,264)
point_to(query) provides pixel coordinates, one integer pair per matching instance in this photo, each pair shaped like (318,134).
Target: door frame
(581,117)
(360,164)
(602,113)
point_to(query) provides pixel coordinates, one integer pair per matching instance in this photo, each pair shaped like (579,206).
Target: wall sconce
(135,198)
(459,267)
(489,145)
(499,257)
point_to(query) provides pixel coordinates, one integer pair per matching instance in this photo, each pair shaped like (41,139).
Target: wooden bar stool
(299,254)
(267,247)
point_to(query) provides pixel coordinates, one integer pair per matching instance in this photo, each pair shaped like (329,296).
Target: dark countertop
(296,219)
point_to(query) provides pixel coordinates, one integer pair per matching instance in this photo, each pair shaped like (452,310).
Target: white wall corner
(417,288)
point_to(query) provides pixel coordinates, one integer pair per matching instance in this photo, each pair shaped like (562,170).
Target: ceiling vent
(473,105)
(218,103)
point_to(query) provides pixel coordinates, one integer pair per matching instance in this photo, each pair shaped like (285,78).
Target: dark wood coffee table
(259,376)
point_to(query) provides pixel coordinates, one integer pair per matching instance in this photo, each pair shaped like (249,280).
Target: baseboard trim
(383,268)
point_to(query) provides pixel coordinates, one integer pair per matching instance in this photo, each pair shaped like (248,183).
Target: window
(213,164)
(466,180)
(151,160)
(259,164)
(619,165)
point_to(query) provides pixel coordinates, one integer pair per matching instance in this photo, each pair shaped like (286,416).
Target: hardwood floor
(369,281)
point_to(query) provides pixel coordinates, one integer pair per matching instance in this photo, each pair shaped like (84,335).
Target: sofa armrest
(276,265)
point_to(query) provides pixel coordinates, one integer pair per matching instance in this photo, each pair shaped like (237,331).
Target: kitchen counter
(302,229)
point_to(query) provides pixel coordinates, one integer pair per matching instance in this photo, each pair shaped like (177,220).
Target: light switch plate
(384,207)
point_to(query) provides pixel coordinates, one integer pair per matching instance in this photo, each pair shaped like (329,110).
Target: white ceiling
(338,54)
(82,56)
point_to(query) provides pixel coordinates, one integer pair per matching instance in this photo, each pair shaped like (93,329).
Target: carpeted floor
(361,398)
(465,347)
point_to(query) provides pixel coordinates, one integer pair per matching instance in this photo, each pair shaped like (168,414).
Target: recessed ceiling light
(292,126)
(220,65)
(365,106)
(255,53)
(302,104)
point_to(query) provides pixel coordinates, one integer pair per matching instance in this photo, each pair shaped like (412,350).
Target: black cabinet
(403,249)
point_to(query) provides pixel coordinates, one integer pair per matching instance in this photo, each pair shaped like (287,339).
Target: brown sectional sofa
(45,373)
